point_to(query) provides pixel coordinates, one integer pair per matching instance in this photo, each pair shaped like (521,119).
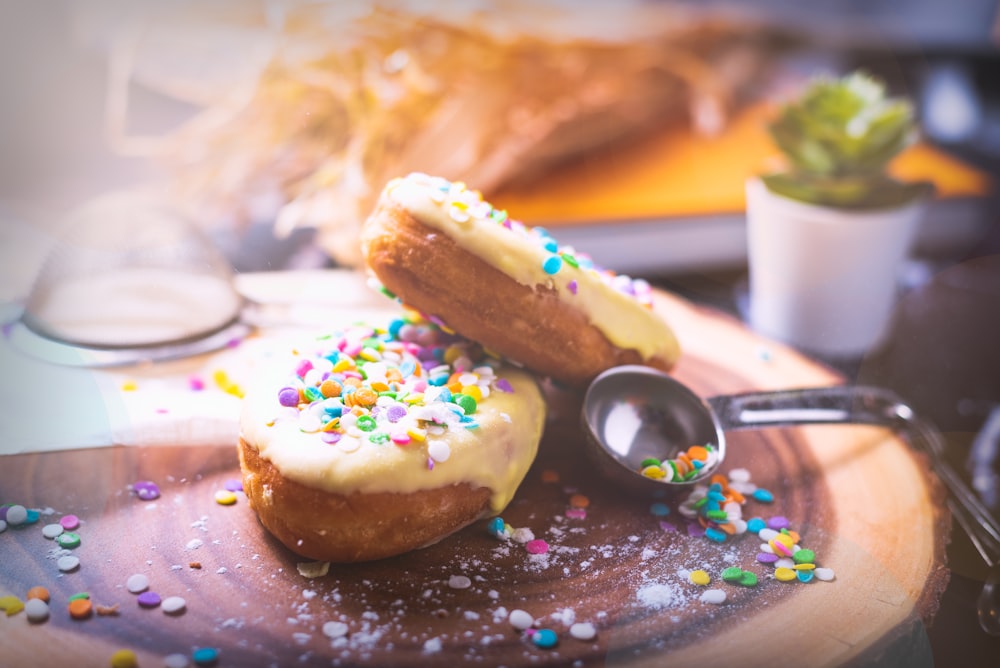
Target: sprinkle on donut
(404,386)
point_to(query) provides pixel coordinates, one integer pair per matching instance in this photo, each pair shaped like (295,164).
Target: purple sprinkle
(396,413)
(234,485)
(234,342)
(576,513)
(668,527)
(778,522)
(3,513)
(504,385)
(430,464)
(149,599)
(288,396)
(7,328)
(146,490)
(572,286)
(766,557)
(695,530)
(330,437)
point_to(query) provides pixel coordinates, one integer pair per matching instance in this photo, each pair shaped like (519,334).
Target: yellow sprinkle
(343,364)
(370,355)
(379,386)
(225,498)
(784,539)
(11,605)
(699,577)
(269,423)
(415,398)
(784,574)
(654,472)
(452,354)
(804,567)
(332,425)
(124,658)
(416,433)
(129,386)
(473,391)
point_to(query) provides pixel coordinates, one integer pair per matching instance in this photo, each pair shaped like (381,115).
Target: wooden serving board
(857,496)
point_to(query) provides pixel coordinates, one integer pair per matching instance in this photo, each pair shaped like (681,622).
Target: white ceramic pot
(824,279)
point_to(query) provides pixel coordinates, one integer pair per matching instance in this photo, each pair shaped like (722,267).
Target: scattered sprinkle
(173,605)
(459,582)
(583,631)
(224,497)
(67,563)
(37,610)
(146,490)
(124,658)
(137,583)
(520,619)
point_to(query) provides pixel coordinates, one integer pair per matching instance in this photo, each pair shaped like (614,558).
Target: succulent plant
(838,137)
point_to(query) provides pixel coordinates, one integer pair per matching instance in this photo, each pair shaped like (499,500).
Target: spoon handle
(858,404)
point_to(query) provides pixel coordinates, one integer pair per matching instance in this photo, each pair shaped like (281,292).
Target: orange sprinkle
(549,475)
(80,608)
(106,610)
(728,528)
(393,375)
(352,381)
(455,387)
(720,479)
(39,592)
(736,496)
(698,452)
(330,388)
(363,396)
(579,501)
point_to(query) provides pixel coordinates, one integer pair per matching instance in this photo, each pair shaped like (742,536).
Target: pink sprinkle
(162,411)
(69,522)
(537,546)
(576,513)
(572,286)
(303,367)
(234,343)
(400,438)
(504,385)
(196,383)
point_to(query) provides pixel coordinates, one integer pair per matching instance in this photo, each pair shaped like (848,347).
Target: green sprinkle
(717,515)
(467,403)
(81,594)
(732,574)
(804,556)
(649,461)
(379,437)
(701,502)
(366,423)
(569,259)
(747,579)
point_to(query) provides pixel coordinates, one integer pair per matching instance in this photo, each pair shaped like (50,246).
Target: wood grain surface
(857,495)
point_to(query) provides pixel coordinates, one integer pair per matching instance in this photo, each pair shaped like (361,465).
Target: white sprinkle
(439,451)
(824,574)
(222,570)
(308,594)
(68,563)
(3,525)
(335,629)
(313,569)
(767,534)
(137,583)
(36,609)
(784,562)
(194,544)
(50,531)
(173,605)
(739,475)
(583,631)
(714,596)
(432,645)
(459,582)
(522,535)
(17,515)
(520,619)
(657,596)
(175,661)
(348,444)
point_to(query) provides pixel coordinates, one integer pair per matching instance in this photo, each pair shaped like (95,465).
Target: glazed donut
(445,252)
(374,442)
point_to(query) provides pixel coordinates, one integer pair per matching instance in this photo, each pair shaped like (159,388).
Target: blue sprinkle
(313,394)
(716,496)
(660,509)
(715,534)
(804,576)
(545,638)
(762,495)
(407,368)
(394,326)
(205,656)
(33,516)
(551,246)
(755,524)
(496,527)
(445,394)
(552,264)
(715,487)
(333,408)
(437,380)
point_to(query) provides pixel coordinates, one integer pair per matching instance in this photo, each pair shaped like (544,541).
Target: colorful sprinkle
(224,497)
(68,540)
(36,610)
(583,631)
(11,605)
(699,577)
(173,605)
(67,563)
(80,608)
(762,495)
(149,599)
(536,546)
(69,522)
(205,656)
(545,638)
(520,619)
(16,515)
(124,658)
(713,596)
(38,592)
(146,490)
(137,583)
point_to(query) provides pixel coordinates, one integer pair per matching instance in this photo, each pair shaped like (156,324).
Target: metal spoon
(631,413)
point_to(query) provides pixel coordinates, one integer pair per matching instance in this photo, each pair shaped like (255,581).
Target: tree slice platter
(858,496)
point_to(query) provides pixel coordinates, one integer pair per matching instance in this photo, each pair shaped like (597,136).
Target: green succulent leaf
(843,129)
(861,193)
